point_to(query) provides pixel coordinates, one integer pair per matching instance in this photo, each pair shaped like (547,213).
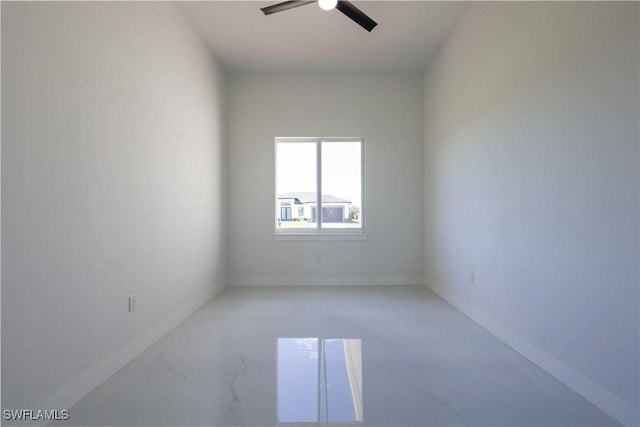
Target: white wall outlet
(133,302)
(472,277)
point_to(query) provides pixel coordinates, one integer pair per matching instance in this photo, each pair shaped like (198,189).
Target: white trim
(351,235)
(319,204)
(601,397)
(327,281)
(73,392)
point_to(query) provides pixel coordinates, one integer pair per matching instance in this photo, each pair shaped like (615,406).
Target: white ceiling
(308,39)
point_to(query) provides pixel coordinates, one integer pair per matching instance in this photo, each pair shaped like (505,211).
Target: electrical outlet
(472,277)
(133,302)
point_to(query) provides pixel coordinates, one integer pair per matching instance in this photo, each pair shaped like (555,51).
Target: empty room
(307,213)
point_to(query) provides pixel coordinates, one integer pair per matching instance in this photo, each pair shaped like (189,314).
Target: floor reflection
(319,381)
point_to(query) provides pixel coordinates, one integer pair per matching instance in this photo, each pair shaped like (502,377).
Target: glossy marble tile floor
(370,356)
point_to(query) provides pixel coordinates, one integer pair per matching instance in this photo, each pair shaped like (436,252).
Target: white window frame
(319,233)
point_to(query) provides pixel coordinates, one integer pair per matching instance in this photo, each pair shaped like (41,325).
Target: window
(322,179)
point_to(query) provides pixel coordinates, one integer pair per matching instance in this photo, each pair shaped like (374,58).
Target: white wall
(531,182)
(112,184)
(387,110)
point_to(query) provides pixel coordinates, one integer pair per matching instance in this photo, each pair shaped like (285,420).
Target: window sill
(324,235)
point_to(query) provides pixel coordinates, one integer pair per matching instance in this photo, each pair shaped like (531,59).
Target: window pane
(296,185)
(341,184)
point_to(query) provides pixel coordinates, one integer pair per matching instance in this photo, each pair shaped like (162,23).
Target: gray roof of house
(310,197)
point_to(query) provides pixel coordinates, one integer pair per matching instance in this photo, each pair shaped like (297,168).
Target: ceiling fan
(343,6)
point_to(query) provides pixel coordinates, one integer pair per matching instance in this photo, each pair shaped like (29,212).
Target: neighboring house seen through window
(322,180)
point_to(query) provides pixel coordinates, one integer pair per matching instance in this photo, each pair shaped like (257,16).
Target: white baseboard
(604,399)
(327,281)
(70,394)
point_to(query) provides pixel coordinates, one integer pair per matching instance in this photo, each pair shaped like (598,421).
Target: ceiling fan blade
(356,14)
(280,7)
